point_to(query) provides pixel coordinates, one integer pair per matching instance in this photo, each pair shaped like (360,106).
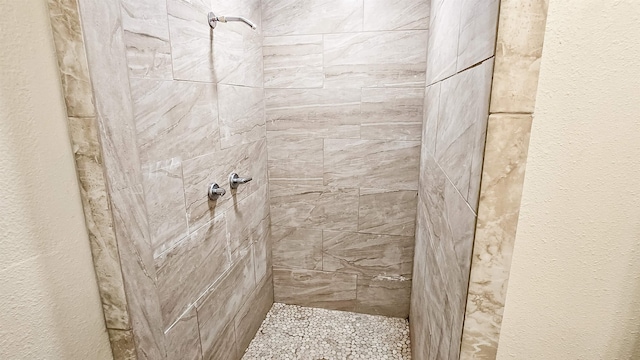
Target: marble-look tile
(518,51)
(327,290)
(392,113)
(478,28)
(295,17)
(237,49)
(375,59)
(301,204)
(396,15)
(462,123)
(382,164)
(106,55)
(190,267)
(390,212)
(99,221)
(296,248)
(241,115)
(262,249)
(502,182)
(294,156)
(450,223)
(245,217)
(443,39)
(367,254)
(164,198)
(146,34)
(174,119)
(293,61)
(183,339)
(72,58)
(218,307)
(430,119)
(246,160)
(252,313)
(230,54)
(418,314)
(314,113)
(138,270)
(122,344)
(383,295)
(191,40)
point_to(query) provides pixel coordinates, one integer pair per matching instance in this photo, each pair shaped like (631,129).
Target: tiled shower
(362,124)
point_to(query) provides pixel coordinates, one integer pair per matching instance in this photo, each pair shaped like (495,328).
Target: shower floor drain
(292,332)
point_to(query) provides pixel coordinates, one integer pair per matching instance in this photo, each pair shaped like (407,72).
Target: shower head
(213,20)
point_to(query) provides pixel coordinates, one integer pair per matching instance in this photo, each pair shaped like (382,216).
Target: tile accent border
(520,39)
(84,130)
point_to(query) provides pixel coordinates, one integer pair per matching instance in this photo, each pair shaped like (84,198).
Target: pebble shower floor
(292,332)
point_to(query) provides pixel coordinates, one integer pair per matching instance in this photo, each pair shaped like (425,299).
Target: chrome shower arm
(213,20)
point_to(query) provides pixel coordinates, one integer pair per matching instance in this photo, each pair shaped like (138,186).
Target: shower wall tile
(344,102)
(109,76)
(252,313)
(293,61)
(190,267)
(314,113)
(300,204)
(372,163)
(191,40)
(375,59)
(390,212)
(443,39)
(503,178)
(462,123)
(294,156)
(478,24)
(383,295)
(246,160)
(430,119)
(231,54)
(72,58)
(183,340)
(246,216)
(367,254)
(146,34)
(218,307)
(99,221)
(296,248)
(164,198)
(262,249)
(396,15)
(294,17)
(138,270)
(328,290)
(518,51)
(392,113)
(241,115)
(174,119)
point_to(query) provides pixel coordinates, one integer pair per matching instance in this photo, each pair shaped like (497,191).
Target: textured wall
(49,298)
(344,88)
(170,117)
(462,37)
(575,264)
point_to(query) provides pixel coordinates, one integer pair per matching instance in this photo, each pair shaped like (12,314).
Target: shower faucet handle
(235,180)
(215,192)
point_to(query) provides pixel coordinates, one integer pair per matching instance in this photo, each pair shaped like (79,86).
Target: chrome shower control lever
(215,192)
(235,180)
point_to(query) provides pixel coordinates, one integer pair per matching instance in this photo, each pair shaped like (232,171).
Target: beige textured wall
(574,291)
(49,298)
